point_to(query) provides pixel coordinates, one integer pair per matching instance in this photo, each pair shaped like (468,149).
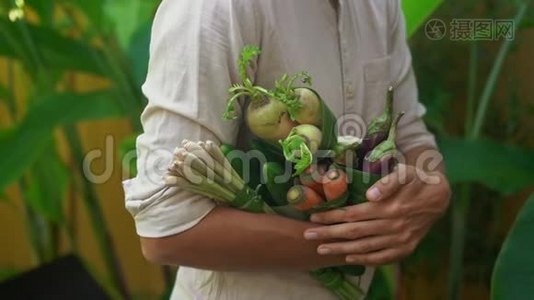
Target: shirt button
(349,90)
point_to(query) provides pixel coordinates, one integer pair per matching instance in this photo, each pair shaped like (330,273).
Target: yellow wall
(142,277)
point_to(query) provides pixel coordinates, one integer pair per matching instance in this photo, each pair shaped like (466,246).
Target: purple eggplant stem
(381,159)
(378,129)
(382,123)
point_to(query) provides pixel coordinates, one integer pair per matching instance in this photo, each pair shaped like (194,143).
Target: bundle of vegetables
(202,168)
(305,166)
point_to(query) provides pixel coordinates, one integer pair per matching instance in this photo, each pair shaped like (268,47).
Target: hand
(401,209)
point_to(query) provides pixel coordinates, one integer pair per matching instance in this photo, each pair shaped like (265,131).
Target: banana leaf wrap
(256,198)
(359,183)
(272,152)
(290,212)
(337,283)
(328,125)
(250,200)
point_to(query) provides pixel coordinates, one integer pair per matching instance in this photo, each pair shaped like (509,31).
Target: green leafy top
(248,53)
(297,151)
(246,87)
(284,90)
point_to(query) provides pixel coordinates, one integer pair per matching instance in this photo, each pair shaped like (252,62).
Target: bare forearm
(232,240)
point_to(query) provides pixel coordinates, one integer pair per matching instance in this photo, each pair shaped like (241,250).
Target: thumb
(390,184)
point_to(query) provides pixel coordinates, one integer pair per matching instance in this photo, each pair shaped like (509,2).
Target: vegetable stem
(210,190)
(212,163)
(217,154)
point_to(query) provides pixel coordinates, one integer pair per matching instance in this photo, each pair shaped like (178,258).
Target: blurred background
(70,100)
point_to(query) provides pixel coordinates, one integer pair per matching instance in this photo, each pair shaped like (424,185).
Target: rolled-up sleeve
(412,131)
(193,50)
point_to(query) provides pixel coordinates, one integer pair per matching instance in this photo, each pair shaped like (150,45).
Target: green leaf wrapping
(237,164)
(249,200)
(272,173)
(290,212)
(333,278)
(359,182)
(337,283)
(272,152)
(352,270)
(328,126)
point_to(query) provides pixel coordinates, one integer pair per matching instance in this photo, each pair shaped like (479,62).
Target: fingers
(361,246)
(360,212)
(381,257)
(390,184)
(354,230)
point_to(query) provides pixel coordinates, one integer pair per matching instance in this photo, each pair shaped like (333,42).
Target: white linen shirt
(353,54)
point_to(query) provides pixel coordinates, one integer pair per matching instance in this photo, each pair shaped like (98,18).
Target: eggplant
(377,130)
(382,159)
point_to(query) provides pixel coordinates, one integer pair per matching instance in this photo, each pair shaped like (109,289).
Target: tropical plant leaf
(126,148)
(47,190)
(59,109)
(4,93)
(23,145)
(127,16)
(513,274)
(417,11)
(53,49)
(19,151)
(4,7)
(138,52)
(45,9)
(6,273)
(93,10)
(500,167)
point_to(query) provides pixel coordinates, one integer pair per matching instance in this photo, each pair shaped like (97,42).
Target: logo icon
(352,125)
(435,29)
